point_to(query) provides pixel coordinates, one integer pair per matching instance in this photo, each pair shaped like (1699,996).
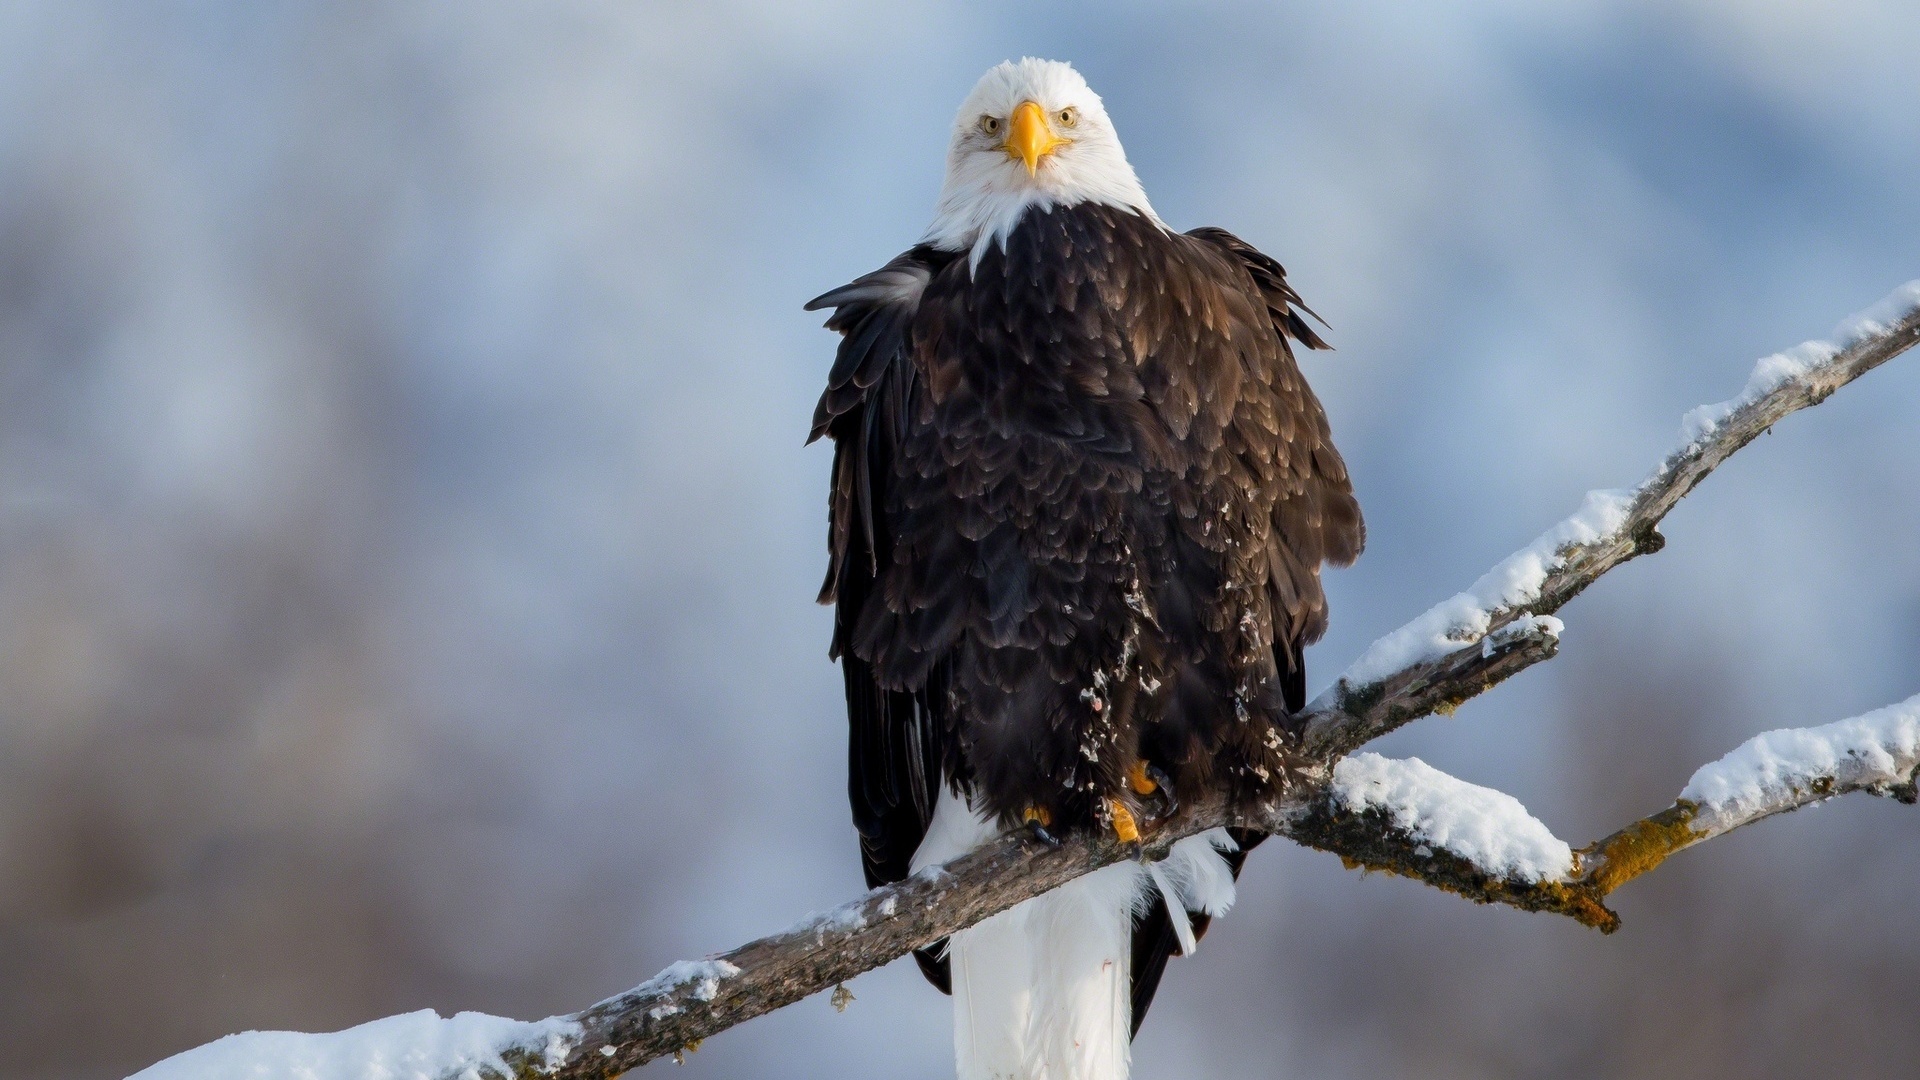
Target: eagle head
(1031,134)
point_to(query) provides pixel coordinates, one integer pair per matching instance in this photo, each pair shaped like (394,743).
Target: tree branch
(688,1002)
(1610,527)
(1455,651)
(1774,773)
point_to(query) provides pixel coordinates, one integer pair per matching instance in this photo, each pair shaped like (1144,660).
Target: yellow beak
(1030,137)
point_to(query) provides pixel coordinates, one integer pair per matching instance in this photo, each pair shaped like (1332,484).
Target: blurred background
(407,548)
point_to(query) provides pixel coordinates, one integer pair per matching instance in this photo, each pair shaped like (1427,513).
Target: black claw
(1037,831)
(1168,803)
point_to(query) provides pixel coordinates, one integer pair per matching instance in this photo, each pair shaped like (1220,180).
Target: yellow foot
(1037,815)
(1139,781)
(1125,829)
(1148,782)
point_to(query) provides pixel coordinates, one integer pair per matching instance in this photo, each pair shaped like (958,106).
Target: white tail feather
(1042,991)
(1176,912)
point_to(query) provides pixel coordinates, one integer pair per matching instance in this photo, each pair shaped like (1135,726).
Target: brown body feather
(1081,499)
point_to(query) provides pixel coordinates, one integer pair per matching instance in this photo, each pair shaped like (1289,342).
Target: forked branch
(1459,649)
(1404,818)
(1455,651)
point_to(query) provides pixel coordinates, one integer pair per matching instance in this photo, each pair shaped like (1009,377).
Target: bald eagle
(1081,497)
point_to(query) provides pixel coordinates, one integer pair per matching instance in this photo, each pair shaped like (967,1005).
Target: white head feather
(987,190)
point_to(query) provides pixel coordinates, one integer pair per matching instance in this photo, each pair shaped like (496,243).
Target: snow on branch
(1611,526)
(418,1044)
(1769,774)
(1406,818)
(1399,816)
(1488,828)
(672,1012)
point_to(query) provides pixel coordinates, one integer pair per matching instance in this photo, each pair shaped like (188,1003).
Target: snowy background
(407,548)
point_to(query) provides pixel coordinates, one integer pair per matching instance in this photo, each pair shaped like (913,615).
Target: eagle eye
(990,125)
(1068,116)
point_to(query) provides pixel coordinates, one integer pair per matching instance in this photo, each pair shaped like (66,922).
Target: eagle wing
(893,748)
(1318,518)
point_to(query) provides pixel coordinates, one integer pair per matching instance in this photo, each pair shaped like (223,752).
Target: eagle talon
(1036,821)
(1168,803)
(1147,779)
(1038,832)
